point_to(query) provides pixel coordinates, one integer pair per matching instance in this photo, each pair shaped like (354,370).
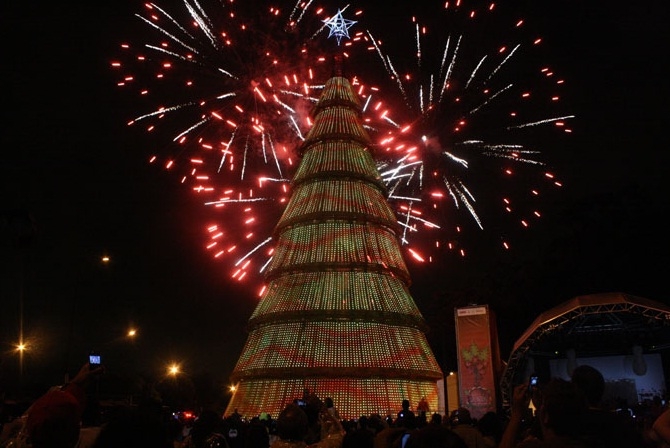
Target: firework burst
(475,105)
(225,90)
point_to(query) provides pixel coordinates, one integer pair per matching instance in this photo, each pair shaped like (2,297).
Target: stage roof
(593,325)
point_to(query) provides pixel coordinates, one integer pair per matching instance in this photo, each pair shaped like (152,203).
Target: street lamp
(21,347)
(173,370)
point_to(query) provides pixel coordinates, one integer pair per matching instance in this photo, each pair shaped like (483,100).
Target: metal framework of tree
(337,316)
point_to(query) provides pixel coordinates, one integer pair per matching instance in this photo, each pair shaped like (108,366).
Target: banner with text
(478,356)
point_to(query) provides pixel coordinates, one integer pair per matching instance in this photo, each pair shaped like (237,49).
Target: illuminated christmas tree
(337,317)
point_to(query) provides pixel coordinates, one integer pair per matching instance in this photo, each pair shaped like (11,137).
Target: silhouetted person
(257,435)
(293,425)
(207,431)
(405,412)
(433,436)
(54,419)
(423,407)
(491,428)
(659,434)
(358,438)
(133,427)
(560,406)
(599,426)
(435,419)
(330,405)
(463,425)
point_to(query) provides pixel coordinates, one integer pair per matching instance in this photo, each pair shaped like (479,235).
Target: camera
(94,359)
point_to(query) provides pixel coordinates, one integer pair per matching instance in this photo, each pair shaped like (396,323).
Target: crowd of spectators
(558,413)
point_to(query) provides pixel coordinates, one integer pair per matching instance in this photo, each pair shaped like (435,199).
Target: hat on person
(54,419)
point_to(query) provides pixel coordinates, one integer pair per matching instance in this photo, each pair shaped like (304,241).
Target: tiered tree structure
(337,316)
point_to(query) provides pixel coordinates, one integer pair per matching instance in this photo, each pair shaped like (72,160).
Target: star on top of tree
(339,26)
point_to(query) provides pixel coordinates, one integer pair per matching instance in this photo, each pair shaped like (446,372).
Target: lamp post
(21,230)
(92,277)
(21,348)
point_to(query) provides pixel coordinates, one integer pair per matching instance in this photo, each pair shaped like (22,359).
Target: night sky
(75,186)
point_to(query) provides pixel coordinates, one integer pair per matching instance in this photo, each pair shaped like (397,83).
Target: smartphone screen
(94,359)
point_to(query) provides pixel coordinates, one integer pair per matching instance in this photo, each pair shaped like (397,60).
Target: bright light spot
(416,255)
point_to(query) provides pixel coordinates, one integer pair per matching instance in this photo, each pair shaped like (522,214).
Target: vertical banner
(477,347)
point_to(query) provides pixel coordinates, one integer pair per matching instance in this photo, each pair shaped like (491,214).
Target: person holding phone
(54,419)
(560,407)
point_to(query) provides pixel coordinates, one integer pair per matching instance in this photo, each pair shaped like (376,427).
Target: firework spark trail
(474,72)
(161,111)
(169,17)
(231,127)
(466,103)
(450,69)
(545,121)
(503,62)
(173,38)
(367,103)
(252,251)
(461,195)
(491,98)
(297,129)
(511,152)
(203,22)
(244,158)
(392,173)
(237,201)
(303,11)
(274,154)
(379,51)
(445,53)
(456,159)
(418,46)
(225,153)
(194,126)
(421,105)
(424,148)
(169,53)
(405,225)
(390,121)
(295,9)
(397,78)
